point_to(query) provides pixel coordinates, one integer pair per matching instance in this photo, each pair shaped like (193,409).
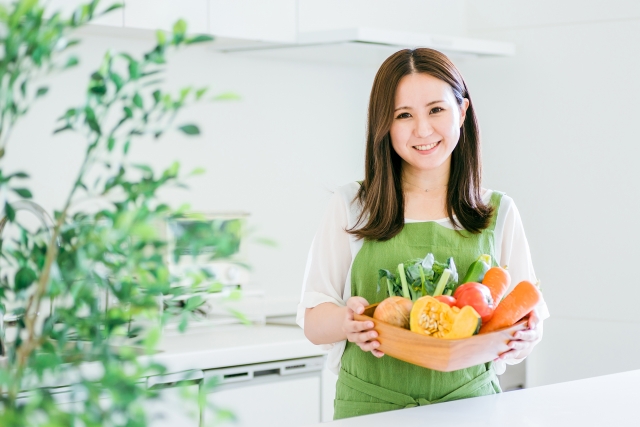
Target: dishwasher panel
(283,394)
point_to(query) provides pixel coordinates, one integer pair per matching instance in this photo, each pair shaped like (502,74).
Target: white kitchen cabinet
(115,18)
(425,16)
(177,402)
(162,14)
(270,21)
(283,394)
(329,380)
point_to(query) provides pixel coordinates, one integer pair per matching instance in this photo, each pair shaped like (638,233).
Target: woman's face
(426,122)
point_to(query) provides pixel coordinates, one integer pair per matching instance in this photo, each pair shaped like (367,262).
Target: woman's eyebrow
(409,108)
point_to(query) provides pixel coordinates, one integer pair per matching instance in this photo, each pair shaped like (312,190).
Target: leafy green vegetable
(419,277)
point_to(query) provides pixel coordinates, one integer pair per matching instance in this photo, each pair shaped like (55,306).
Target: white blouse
(327,276)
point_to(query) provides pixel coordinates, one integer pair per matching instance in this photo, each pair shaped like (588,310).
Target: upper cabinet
(271,21)
(438,17)
(162,14)
(351,31)
(115,18)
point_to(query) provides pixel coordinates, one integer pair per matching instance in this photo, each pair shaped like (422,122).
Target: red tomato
(447,299)
(477,296)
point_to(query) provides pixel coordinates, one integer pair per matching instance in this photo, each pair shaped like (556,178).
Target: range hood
(364,46)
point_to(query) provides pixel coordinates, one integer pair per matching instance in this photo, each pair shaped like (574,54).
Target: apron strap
(406,401)
(496,198)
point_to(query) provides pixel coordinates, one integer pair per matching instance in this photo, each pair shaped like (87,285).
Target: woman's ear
(463,110)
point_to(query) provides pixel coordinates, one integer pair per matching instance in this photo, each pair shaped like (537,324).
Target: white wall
(559,137)
(559,132)
(296,134)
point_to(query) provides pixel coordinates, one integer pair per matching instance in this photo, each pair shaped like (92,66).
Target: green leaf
(137,100)
(184,322)
(42,91)
(9,212)
(180,27)
(172,170)
(184,92)
(71,62)
(201,92)
(190,129)
(197,171)
(227,96)
(111,142)
(112,7)
(193,303)
(161,37)
(21,175)
(117,80)
(134,69)
(63,128)
(23,192)
(201,38)
(90,118)
(25,276)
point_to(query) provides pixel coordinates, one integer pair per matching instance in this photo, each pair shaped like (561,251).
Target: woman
(421,194)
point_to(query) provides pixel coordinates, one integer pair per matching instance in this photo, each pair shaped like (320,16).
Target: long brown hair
(381,195)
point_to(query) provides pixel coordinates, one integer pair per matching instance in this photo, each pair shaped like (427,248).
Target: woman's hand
(524,340)
(360,333)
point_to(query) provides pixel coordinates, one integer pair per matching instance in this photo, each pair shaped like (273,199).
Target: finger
(526,335)
(534,319)
(355,326)
(364,337)
(377,353)
(369,346)
(519,345)
(357,304)
(509,354)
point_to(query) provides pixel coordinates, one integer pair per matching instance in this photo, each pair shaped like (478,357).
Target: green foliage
(95,288)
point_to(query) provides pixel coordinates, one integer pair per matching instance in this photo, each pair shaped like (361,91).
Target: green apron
(367,384)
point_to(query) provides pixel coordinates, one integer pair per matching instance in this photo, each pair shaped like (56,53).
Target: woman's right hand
(360,333)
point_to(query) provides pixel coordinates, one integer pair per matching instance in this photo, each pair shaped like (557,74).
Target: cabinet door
(115,18)
(425,16)
(285,402)
(261,20)
(175,406)
(162,14)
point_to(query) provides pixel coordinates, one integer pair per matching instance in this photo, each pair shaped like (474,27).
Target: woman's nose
(423,128)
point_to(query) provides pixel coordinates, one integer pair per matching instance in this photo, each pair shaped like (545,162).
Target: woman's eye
(403,116)
(436,110)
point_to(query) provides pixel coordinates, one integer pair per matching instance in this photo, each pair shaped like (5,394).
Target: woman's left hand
(523,341)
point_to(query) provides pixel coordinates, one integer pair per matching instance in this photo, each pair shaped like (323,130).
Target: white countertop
(611,400)
(211,347)
(233,345)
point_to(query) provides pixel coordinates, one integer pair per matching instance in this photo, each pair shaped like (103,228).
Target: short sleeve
(328,261)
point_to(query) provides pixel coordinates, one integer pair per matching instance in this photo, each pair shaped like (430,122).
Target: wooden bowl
(438,353)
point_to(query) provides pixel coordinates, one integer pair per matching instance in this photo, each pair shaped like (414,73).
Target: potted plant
(93,288)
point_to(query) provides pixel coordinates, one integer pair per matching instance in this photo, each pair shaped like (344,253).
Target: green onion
(442,282)
(403,279)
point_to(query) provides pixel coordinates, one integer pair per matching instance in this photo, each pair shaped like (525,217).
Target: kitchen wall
(296,134)
(558,131)
(558,122)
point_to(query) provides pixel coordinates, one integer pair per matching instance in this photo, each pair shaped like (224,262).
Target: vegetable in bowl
(420,277)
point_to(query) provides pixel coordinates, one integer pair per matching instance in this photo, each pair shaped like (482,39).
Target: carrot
(517,304)
(497,279)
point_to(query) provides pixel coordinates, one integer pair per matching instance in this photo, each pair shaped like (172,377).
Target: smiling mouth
(425,147)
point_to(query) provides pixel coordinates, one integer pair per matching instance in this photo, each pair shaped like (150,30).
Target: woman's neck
(428,181)
(425,193)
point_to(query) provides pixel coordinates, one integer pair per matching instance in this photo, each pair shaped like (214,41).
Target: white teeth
(425,147)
